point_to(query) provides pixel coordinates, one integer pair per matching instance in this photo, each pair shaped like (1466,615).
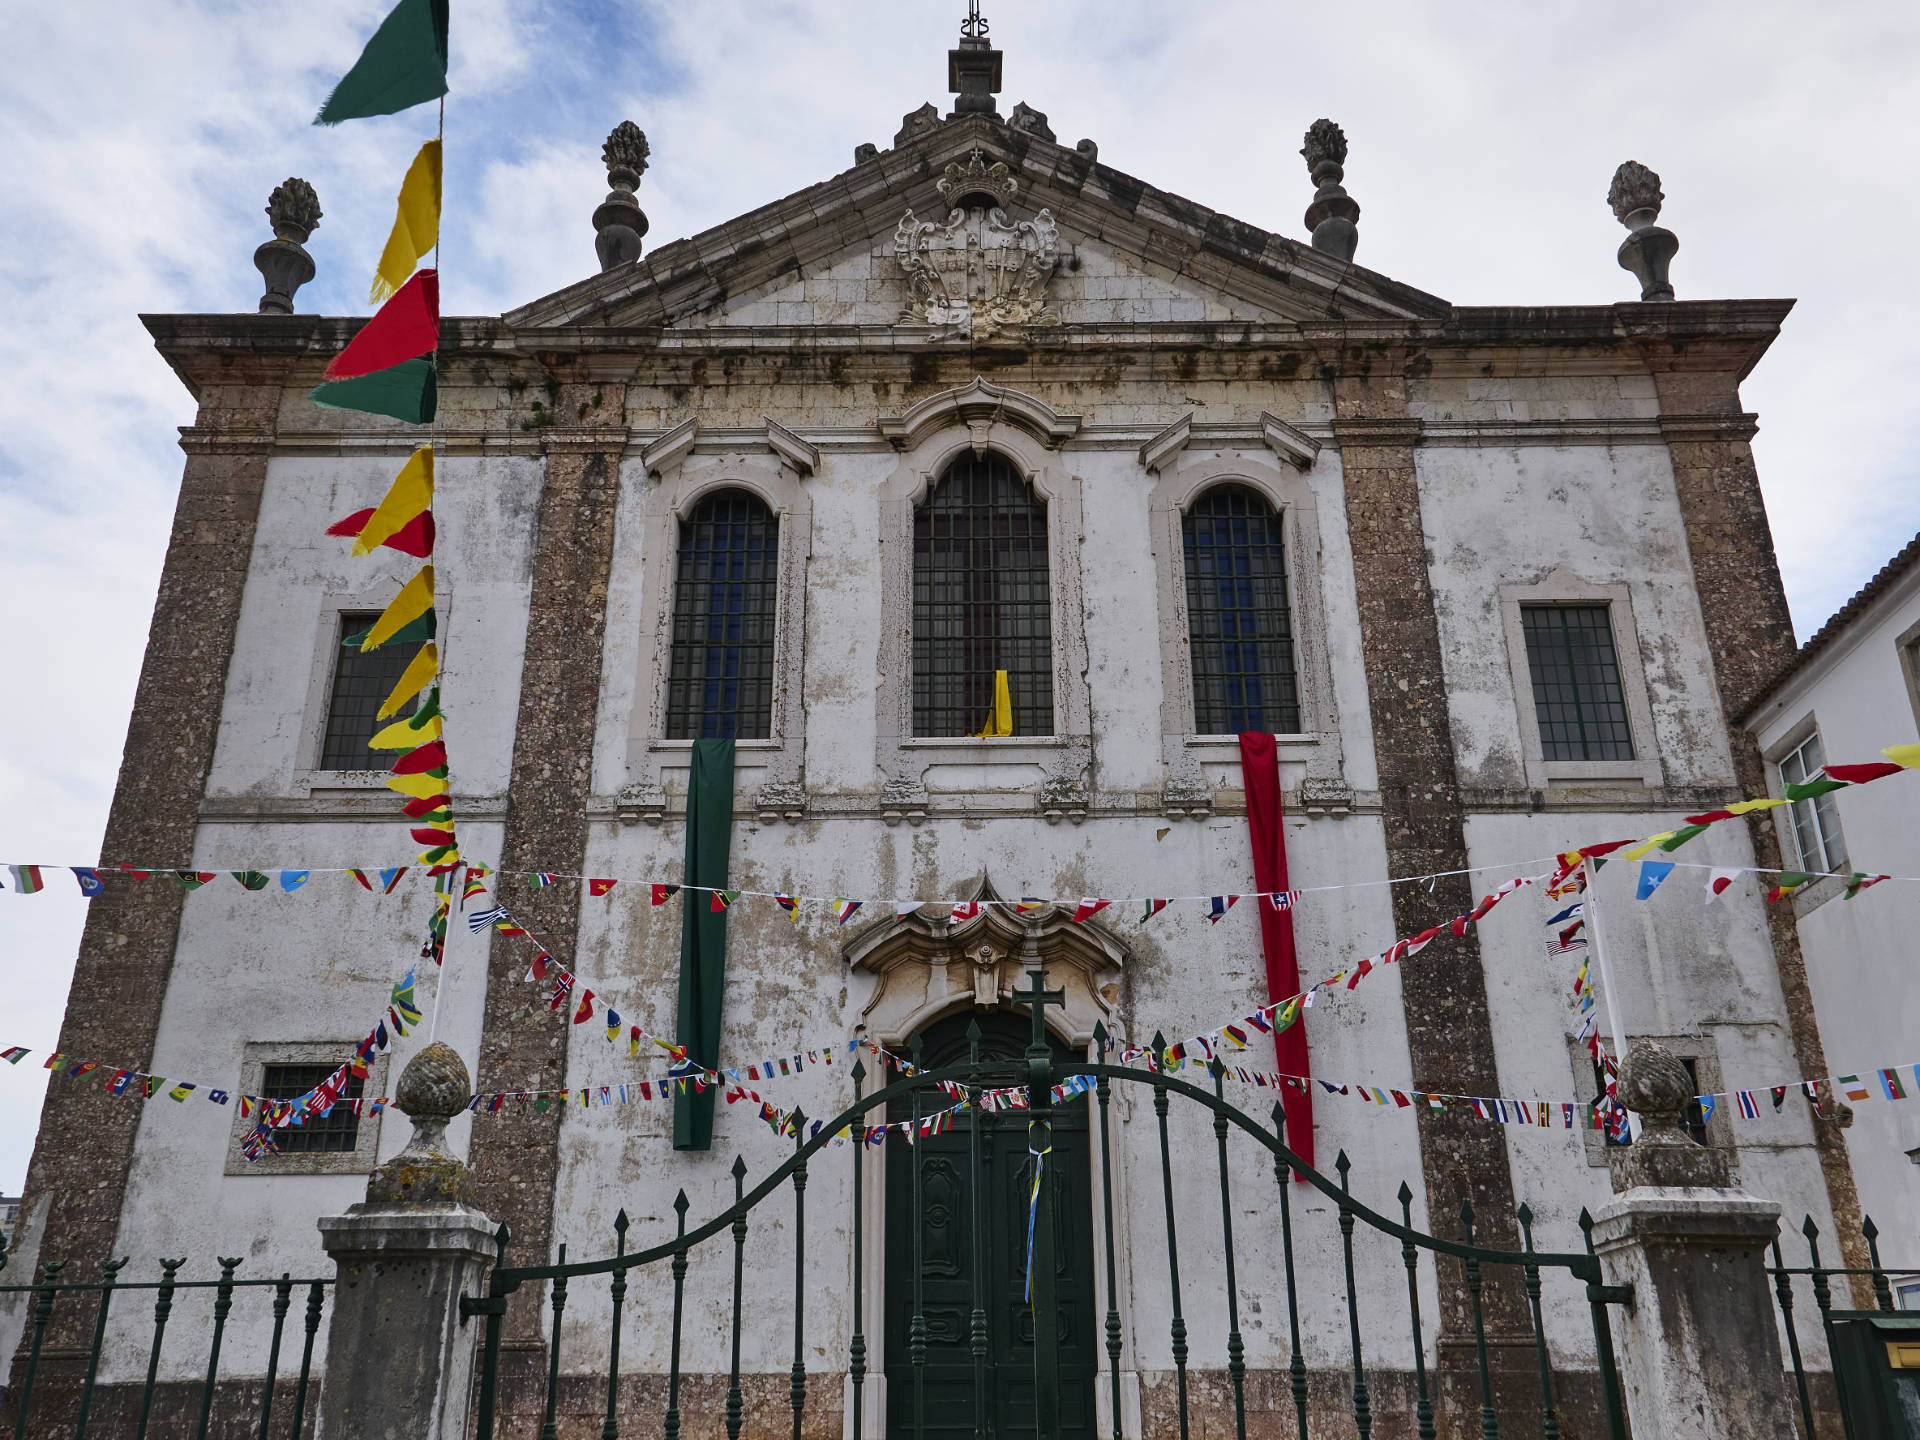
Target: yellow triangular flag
(1646,846)
(416,228)
(1905,756)
(410,493)
(416,677)
(420,787)
(405,735)
(413,601)
(1747,807)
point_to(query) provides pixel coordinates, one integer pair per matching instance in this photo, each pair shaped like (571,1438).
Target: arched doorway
(940,1165)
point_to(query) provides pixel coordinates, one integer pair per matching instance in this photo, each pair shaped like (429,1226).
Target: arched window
(981,601)
(1239,630)
(720,676)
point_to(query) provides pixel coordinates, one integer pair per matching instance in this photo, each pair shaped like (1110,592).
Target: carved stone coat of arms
(978,273)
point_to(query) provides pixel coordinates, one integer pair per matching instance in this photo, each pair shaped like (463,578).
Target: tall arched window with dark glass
(1239,627)
(720,675)
(981,601)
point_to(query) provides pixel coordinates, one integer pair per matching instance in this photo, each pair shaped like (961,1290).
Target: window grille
(362,680)
(720,677)
(981,601)
(1816,822)
(1239,627)
(1577,694)
(337,1134)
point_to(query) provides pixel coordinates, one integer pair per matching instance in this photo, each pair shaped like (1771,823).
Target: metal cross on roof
(973,25)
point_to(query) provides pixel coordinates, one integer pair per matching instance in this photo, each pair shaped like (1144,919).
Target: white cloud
(143,137)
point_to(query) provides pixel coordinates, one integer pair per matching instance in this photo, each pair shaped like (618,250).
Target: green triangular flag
(1681,836)
(414,630)
(252,879)
(406,392)
(404,64)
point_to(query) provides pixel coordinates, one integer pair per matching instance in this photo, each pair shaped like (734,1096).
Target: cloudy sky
(144,135)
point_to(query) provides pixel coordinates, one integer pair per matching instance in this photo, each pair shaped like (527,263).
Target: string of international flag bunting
(562,989)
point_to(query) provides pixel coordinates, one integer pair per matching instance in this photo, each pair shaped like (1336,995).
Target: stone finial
(1087,151)
(294,212)
(1648,249)
(1030,121)
(917,122)
(973,69)
(1334,216)
(1656,1087)
(432,1090)
(620,223)
(865,152)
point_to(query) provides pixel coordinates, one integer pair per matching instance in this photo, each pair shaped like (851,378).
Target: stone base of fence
(115,1411)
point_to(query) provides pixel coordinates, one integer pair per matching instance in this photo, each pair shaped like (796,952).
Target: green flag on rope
(703,933)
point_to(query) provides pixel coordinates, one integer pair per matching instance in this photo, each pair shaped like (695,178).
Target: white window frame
(1564,587)
(254,1060)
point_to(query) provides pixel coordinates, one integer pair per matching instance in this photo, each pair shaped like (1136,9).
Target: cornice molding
(802,456)
(1376,431)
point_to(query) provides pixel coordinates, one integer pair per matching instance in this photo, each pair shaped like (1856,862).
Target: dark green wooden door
(946,1260)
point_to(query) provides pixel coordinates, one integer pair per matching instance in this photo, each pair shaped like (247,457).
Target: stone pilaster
(77,1180)
(515,1159)
(1743,606)
(1449,1029)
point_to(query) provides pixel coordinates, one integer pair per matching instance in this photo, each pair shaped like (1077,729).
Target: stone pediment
(1025,234)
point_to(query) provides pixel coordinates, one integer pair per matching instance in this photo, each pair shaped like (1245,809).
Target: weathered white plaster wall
(1608,515)
(1859,952)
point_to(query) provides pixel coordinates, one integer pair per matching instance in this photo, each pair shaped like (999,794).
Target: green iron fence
(56,1388)
(1039,1073)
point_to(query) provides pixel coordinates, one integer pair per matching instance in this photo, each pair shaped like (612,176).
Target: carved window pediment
(929,964)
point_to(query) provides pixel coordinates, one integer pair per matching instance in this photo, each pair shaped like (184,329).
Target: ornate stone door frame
(924,966)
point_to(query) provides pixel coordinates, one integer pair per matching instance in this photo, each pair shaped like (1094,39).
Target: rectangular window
(1577,694)
(338,1133)
(361,683)
(1816,823)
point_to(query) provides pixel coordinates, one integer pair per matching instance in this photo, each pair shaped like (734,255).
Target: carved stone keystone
(1334,216)
(294,212)
(620,223)
(1649,249)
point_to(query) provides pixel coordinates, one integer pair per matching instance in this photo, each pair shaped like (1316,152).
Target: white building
(1509,577)
(1853,689)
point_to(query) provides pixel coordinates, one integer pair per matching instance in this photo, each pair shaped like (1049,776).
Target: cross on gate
(1039,997)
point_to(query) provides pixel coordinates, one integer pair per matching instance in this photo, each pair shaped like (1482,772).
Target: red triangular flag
(585,1012)
(403,329)
(414,809)
(431,756)
(600,887)
(413,538)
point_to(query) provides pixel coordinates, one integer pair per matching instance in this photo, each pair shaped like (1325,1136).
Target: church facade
(1495,579)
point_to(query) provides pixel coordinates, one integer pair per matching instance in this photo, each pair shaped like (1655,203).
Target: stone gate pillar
(399,1367)
(1699,1349)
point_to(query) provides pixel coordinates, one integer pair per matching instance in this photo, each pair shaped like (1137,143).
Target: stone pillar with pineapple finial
(1699,1347)
(399,1366)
